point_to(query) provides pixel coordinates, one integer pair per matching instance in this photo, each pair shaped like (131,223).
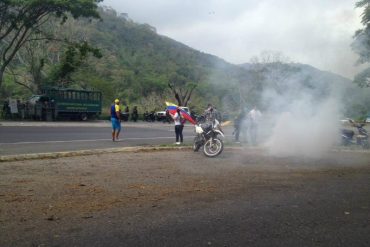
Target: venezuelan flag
(172,108)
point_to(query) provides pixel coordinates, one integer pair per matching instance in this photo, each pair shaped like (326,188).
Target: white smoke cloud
(306,129)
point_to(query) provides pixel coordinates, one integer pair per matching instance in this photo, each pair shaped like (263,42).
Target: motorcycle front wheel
(213,147)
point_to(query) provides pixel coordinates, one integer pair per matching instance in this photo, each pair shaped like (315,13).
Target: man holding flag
(179,126)
(172,109)
(179,116)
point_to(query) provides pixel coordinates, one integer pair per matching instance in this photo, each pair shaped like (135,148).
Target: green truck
(64,103)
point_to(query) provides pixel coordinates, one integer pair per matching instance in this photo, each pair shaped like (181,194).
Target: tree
(74,56)
(182,84)
(29,66)
(361,44)
(182,95)
(19,19)
(270,76)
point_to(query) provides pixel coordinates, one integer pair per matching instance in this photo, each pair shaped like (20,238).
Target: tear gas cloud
(304,120)
(304,129)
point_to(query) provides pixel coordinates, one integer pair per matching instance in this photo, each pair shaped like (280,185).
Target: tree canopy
(20,19)
(361,43)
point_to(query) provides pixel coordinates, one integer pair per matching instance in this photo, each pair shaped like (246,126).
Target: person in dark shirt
(135,114)
(211,114)
(238,124)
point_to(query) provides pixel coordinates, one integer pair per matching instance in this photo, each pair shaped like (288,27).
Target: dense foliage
(361,44)
(23,21)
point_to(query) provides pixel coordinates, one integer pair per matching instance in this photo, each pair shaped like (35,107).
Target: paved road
(40,137)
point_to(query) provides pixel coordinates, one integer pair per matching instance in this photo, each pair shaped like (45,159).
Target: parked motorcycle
(207,137)
(149,117)
(350,138)
(125,116)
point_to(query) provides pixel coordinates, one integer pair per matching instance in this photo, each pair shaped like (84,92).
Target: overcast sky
(315,32)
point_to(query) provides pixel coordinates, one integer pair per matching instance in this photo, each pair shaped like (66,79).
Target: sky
(314,32)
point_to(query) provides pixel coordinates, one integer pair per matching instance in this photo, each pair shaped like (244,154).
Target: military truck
(64,103)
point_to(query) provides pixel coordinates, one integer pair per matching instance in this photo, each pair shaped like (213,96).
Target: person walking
(115,113)
(254,116)
(179,126)
(238,122)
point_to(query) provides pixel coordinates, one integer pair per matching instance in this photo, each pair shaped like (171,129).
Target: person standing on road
(115,113)
(6,113)
(254,116)
(127,114)
(210,114)
(135,114)
(238,122)
(179,126)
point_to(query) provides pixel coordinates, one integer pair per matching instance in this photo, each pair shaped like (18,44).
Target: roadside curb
(55,155)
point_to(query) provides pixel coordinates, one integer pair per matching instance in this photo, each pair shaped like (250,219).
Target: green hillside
(137,65)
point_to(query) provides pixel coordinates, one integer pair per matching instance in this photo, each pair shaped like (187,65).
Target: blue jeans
(178,131)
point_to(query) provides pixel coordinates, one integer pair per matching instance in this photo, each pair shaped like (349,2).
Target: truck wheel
(83,116)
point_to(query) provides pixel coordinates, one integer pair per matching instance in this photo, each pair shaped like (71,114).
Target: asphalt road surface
(243,198)
(39,137)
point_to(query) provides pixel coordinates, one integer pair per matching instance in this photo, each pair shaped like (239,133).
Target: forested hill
(138,65)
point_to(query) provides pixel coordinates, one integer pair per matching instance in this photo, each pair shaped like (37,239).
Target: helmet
(116,101)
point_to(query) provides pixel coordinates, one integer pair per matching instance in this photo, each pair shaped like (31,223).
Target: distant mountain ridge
(309,69)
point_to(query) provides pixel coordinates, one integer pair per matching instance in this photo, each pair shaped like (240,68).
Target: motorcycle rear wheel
(212,148)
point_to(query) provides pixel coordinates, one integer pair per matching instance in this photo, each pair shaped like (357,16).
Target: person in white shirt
(254,116)
(179,126)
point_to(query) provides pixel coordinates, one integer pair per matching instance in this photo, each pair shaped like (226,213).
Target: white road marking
(71,141)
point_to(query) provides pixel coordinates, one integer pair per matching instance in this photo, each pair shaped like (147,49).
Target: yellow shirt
(117,108)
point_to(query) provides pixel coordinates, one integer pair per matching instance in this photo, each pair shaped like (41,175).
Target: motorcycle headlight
(198,129)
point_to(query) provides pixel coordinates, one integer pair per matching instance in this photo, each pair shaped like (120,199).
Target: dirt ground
(104,199)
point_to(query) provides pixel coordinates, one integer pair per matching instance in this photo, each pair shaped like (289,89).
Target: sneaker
(178,143)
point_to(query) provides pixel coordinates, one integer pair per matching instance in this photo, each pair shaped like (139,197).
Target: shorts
(116,124)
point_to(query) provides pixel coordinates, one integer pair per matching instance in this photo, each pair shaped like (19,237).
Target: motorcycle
(207,137)
(362,138)
(149,117)
(125,116)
